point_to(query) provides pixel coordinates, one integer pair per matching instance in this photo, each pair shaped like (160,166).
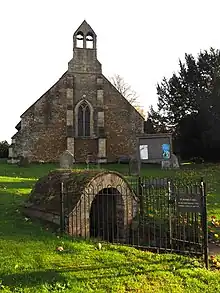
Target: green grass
(29,261)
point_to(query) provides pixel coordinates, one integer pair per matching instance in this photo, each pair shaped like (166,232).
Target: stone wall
(83,147)
(43,126)
(122,123)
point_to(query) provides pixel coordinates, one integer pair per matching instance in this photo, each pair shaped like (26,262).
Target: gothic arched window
(83,116)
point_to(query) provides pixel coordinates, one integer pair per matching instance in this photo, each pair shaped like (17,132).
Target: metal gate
(172,217)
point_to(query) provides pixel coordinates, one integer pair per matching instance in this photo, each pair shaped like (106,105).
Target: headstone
(87,163)
(174,162)
(165,164)
(88,160)
(66,160)
(98,162)
(123,159)
(134,167)
(23,162)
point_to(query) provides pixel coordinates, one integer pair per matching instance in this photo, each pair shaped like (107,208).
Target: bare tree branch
(124,88)
(127,92)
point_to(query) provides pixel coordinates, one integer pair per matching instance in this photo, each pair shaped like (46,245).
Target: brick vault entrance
(107,215)
(98,204)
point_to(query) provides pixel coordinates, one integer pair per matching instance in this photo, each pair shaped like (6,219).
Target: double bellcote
(84,37)
(84,51)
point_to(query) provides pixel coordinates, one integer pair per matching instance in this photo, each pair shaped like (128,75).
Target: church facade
(82,112)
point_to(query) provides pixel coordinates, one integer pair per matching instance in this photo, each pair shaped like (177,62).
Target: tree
(149,126)
(157,121)
(189,104)
(126,91)
(4,146)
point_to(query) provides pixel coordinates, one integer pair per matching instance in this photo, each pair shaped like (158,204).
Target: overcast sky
(141,40)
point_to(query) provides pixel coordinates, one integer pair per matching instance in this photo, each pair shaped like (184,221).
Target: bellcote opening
(79,40)
(89,41)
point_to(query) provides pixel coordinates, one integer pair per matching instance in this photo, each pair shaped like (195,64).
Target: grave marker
(66,160)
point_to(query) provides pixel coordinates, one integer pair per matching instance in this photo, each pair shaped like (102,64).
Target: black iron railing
(154,214)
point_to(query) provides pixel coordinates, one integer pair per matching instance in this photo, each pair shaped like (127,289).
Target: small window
(89,41)
(79,40)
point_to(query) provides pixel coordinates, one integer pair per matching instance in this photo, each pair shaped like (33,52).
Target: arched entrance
(107,215)
(95,204)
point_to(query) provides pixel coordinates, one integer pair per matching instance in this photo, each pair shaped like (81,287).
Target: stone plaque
(66,160)
(189,203)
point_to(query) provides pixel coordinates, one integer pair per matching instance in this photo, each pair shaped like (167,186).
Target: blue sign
(166,151)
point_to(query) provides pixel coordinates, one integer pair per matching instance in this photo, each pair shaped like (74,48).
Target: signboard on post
(189,203)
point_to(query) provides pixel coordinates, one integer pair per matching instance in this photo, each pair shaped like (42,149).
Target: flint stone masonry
(80,190)
(50,126)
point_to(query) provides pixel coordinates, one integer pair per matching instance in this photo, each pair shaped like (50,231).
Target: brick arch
(126,204)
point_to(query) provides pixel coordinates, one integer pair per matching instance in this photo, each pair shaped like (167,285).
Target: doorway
(106,215)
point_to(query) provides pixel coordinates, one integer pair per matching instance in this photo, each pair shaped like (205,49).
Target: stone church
(82,112)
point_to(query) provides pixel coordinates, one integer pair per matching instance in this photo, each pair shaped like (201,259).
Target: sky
(140,40)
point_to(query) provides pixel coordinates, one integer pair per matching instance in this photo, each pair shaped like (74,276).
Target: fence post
(170,213)
(204,223)
(140,194)
(61,209)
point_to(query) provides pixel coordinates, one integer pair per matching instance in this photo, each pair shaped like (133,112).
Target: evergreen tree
(189,105)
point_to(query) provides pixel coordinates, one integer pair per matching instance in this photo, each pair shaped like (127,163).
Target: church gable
(83,113)
(49,95)
(42,125)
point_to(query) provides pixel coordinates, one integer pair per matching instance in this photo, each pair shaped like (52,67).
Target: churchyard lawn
(30,262)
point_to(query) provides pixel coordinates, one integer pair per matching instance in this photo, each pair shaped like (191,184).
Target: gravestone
(134,166)
(174,162)
(123,159)
(89,160)
(165,164)
(23,162)
(66,160)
